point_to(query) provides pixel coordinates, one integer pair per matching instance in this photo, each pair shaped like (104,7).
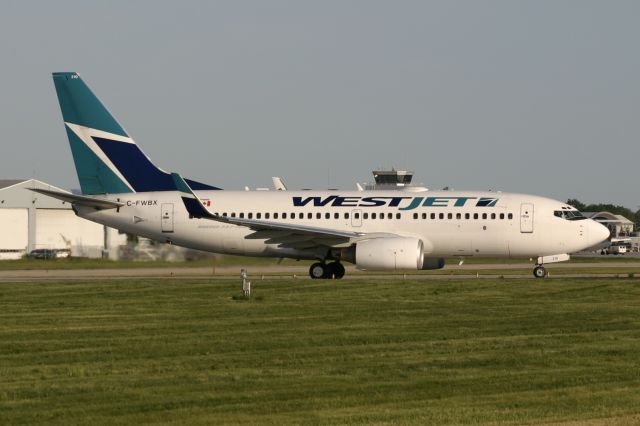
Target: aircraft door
(526,218)
(166,217)
(356,218)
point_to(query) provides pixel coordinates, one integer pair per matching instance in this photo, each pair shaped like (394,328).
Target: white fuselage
(448,223)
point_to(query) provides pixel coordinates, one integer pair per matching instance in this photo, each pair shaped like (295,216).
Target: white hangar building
(30,221)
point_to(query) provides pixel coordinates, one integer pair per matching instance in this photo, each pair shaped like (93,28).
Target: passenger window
(300,215)
(424,215)
(365,215)
(318,215)
(284,215)
(433,215)
(258,215)
(398,216)
(510,216)
(346,215)
(389,215)
(233,215)
(275,216)
(467,216)
(458,215)
(356,215)
(441,215)
(475,215)
(336,215)
(224,214)
(373,216)
(501,215)
(241,215)
(309,215)
(449,215)
(415,215)
(327,215)
(484,215)
(493,215)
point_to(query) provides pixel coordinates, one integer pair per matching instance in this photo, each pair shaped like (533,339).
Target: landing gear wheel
(539,272)
(336,270)
(317,271)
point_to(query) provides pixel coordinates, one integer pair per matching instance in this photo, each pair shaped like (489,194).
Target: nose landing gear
(321,270)
(539,271)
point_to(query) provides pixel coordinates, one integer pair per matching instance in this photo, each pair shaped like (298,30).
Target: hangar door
(60,228)
(14,229)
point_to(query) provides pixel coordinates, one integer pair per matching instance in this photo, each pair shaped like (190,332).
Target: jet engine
(389,254)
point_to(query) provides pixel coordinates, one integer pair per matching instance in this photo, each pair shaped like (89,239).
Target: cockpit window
(569,214)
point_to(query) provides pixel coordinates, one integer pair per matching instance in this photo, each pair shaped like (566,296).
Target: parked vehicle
(43,254)
(617,249)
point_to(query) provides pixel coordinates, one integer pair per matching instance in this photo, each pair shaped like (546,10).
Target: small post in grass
(246,284)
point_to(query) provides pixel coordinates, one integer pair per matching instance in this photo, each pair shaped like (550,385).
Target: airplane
(376,230)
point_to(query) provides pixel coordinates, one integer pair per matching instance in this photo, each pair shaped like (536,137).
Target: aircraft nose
(598,233)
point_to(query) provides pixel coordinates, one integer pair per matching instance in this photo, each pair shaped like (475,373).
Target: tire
(539,272)
(336,270)
(317,271)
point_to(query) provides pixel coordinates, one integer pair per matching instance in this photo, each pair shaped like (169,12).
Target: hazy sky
(539,97)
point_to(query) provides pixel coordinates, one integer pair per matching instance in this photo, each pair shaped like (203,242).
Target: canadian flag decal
(206,203)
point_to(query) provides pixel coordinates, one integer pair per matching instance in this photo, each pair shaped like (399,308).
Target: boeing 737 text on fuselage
(376,230)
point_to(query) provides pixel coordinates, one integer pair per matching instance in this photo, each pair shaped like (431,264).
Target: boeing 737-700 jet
(376,230)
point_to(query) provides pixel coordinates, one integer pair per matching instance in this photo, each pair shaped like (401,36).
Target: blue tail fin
(107,160)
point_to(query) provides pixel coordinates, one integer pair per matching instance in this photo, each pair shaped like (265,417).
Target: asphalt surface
(452,271)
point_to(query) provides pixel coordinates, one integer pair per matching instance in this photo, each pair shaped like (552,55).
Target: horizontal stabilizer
(80,200)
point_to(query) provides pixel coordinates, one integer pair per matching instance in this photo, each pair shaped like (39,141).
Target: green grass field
(501,351)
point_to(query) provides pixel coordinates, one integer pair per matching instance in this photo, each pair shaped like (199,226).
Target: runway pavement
(452,271)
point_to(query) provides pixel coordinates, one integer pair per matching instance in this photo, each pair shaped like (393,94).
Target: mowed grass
(319,352)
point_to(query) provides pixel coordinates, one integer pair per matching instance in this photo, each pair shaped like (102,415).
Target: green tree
(576,203)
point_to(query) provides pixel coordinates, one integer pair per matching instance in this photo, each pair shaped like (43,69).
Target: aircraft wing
(80,200)
(283,234)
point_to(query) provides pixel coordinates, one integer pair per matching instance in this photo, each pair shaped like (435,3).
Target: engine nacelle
(432,263)
(389,254)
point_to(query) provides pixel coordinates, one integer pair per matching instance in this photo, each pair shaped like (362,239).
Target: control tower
(398,180)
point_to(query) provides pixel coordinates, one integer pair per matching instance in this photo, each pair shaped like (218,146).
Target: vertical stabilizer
(107,160)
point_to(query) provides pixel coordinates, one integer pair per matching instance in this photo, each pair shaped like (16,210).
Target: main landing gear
(321,270)
(539,271)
